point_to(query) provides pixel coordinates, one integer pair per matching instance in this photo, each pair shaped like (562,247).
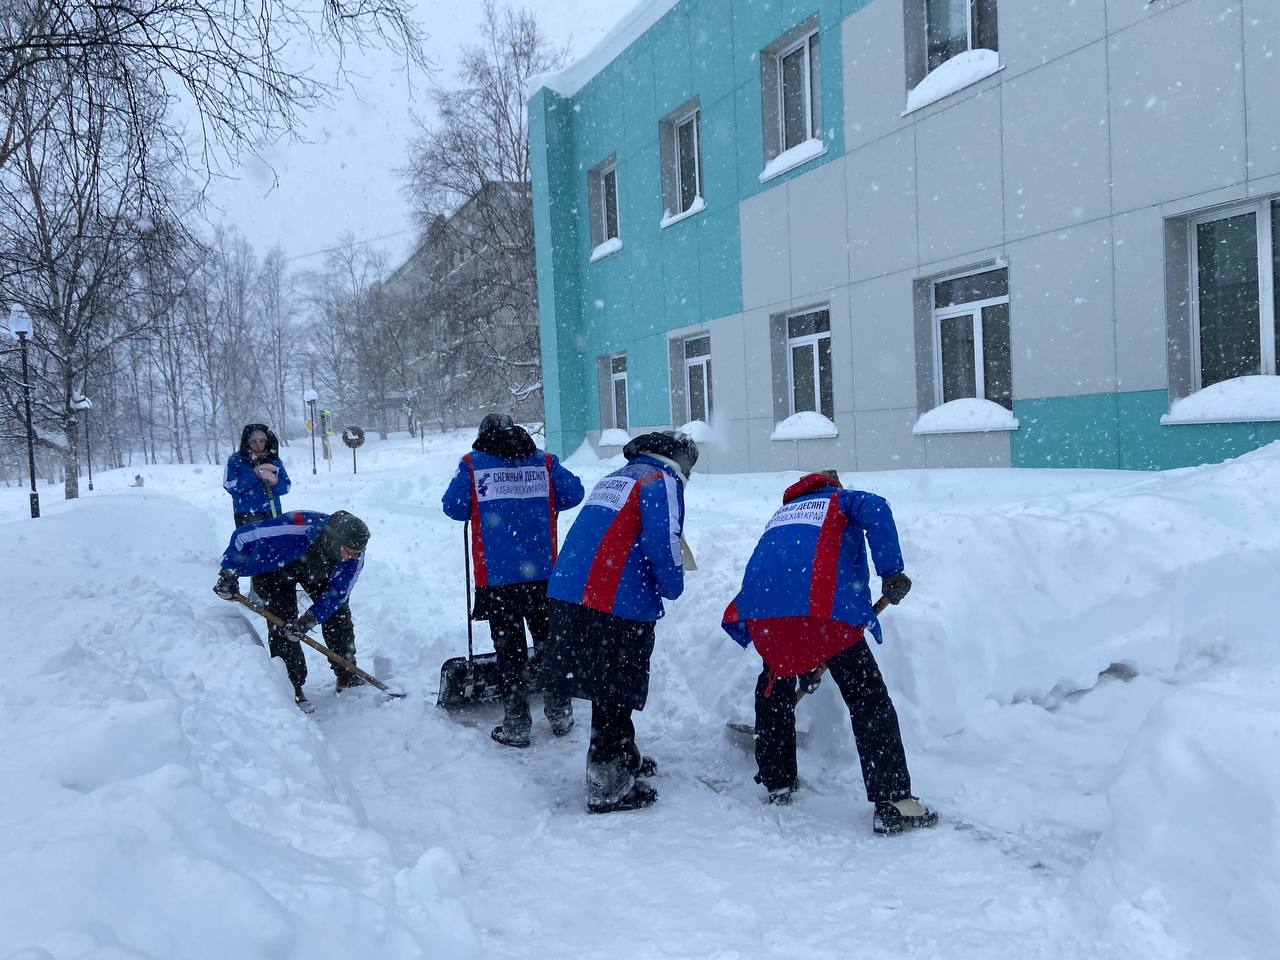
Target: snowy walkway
(159,767)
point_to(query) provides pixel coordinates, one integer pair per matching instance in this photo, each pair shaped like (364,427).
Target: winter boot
(782,797)
(301,700)
(516,722)
(895,816)
(612,787)
(644,766)
(510,738)
(559,713)
(346,682)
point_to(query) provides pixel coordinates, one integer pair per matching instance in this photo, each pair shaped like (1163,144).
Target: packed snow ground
(1086,673)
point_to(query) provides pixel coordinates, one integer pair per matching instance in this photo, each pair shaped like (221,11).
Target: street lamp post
(20,326)
(310,397)
(84,403)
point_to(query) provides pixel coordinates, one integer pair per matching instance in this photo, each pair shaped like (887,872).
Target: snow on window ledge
(1242,400)
(800,153)
(612,245)
(806,425)
(957,73)
(614,437)
(669,218)
(698,430)
(967,415)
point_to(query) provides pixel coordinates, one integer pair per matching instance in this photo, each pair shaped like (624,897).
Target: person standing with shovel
(512,494)
(255,477)
(805,604)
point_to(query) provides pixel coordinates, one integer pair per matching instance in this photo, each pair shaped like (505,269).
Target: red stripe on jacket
(826,562)
(477,541)
(551,510)
(613,550)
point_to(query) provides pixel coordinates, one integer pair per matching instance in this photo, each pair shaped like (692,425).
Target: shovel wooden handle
(339,660)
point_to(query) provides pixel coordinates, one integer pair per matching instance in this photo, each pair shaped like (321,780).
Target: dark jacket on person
(251,499)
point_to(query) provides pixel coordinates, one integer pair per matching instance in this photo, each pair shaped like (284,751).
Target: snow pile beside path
(163,796)
(1191,864)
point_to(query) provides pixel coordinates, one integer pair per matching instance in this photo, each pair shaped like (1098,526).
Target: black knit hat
(672,444)
(503,437)
(345,530)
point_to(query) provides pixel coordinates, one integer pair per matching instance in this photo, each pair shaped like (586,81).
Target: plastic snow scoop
(809,681)
(340,661)
(474,678)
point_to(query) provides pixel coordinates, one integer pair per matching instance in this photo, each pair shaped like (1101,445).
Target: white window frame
(971,308)
(782,55)
(1262,211)
(606,169)
(703,361)
(690,117)
(614,378)
(801,341)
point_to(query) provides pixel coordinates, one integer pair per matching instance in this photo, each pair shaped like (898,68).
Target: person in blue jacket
(323,554)
(255,477)
(805,604)
(622,556)
(512,493)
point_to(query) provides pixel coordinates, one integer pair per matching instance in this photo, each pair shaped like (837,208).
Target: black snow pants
(875,726)
(278,589)
(508,607)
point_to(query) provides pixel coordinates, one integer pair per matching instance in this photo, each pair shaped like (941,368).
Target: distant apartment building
(878,234)
(471,292)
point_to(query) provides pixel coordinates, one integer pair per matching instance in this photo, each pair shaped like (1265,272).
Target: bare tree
(468,180)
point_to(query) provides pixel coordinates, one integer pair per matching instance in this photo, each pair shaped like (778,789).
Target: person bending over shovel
(512,493)
(324,554)
(805,603)
(623,554)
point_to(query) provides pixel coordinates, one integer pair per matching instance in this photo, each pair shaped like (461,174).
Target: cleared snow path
(1078,646)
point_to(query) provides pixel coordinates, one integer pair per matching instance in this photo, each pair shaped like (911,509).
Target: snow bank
(163,796)
(966,415)
(805,425)
(955,74)
(1242,400)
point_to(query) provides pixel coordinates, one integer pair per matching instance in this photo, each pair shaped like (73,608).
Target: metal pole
(88,449)
(313,437)
(353,459)
(31,437)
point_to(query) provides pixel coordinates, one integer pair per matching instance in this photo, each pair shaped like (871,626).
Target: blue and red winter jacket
(271,544)
(623,553)
(805,595)
(512,506)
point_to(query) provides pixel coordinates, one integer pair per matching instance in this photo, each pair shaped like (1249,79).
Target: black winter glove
(228,585)
(896,586)
(806,683)
(298,629)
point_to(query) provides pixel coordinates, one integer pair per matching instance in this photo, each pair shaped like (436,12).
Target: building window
(809,362)
(790,78)
(697,378)
(680,140)
(1235,278)
(971,337)
(602,190)
(618,390)
(940,30)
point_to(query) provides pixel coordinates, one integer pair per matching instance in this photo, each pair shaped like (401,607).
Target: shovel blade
(464,681)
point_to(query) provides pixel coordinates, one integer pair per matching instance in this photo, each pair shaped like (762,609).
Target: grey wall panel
(1177,104)
(884,353)
(769,454)
(1061,313)
(1055,144)
(1177,282)
(881,189)
(1035,33)
(839,452)
(1140,305)
(766,253)
(922,325)
(1122,14)
(729,370)
(729,451)
(818,229)
(885,441)
(675,380)
(967,450)
(843,348)
(875,85)
(1262,82)
(757,350)
(958,160)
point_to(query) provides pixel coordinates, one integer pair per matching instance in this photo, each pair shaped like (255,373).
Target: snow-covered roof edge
(627,31)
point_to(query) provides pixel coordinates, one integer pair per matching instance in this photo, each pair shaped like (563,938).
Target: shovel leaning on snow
(340,661)
(814,679)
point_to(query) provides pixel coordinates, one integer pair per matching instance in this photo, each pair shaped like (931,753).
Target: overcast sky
(344,177)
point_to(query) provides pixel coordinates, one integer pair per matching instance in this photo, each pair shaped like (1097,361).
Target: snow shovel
(810,681)
(340,661)
(469,679)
